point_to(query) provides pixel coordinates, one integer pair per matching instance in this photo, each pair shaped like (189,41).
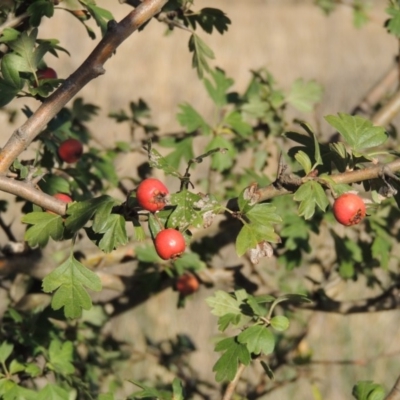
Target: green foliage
(68,281)
(240,192)
(250,314)
(43,227)
(310,195)
(201,54)
(367,390)
(358,133)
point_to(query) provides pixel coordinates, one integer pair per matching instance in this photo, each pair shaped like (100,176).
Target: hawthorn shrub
(53,342)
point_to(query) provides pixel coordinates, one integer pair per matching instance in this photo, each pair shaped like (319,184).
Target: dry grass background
(292,39)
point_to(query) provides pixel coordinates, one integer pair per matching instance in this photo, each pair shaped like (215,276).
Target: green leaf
(381,250)
(177,389)
(7,92)
(393,25)
(156,160)
(235,120)
(305,162)
(264,214)
(80,213)
(10,70)
(209,18)
(33,370)
(223,303)
(304,95)
(61,357)
(252,234)
(39,9)
(114,233)
(26,58)
(9,35)
(53,392)
(358,132)
(367,390)
(100,15)
(256,306)
(11,391)
(258,339)
(191,119)
(189,261)
(150,392)
(218,89)
(16,367)
(106,396)
(53,184)
(280,323)
(225,320)
(5,351)
(310,195)
(183,150)
(185,213)
(69,280)
(224,159)
(44,226)
(227,365)
(201,52)
(147,253)
(103,211)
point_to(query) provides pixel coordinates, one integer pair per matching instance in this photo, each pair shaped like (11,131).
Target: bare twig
(388,300)
(230,389)
(385,85)
(12,22)
(387,113)
(7,230)
(91,68)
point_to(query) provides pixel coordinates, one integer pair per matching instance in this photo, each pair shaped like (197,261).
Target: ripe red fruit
(169,243)
(187,284)
(63,197)
(70,150)
(46,73)
(151,194)
(349,209)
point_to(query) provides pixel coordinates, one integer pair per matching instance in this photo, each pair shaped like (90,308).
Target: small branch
(388,300)
(359,362)
(387,113)
(230,389)
(91,68)
(378,91)
(12,22)
(30,193)
(7,230)
(394,394)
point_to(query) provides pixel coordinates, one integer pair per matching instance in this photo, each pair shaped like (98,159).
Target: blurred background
(292,39)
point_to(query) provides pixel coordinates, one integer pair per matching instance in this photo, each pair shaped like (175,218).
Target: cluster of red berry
(169,243)
(151,195)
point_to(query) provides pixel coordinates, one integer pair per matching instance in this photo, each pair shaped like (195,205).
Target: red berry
(187,284)
(63,197)
(169,243)
(151,194)
(46,73)
(349,209)
(70,150)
